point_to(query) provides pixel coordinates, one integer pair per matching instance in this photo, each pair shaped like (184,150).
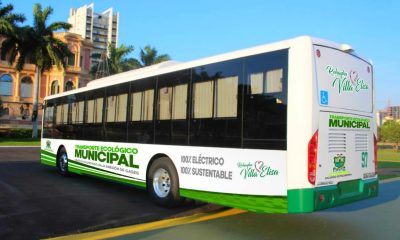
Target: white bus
(283,127)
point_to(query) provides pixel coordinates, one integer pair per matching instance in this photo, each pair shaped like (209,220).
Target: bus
(286,127)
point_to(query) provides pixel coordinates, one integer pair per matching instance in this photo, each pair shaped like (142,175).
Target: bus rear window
(344,81)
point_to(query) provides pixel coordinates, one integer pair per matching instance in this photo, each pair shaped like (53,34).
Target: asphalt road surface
(37,202)
(370,219)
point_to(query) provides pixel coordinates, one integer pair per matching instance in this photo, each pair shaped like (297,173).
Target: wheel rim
(161,182)
(63,162)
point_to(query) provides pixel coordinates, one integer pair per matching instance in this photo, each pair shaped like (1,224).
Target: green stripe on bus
(80,168)
(90,169)
(261,204)
(43,152)
(99,169)
(48,162)
(48,158)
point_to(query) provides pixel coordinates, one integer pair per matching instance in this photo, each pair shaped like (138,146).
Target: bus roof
(173,66)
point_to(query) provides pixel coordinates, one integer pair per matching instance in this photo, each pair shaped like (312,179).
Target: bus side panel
(247,178)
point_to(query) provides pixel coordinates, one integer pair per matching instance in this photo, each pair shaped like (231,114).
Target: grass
(385,155)
(19,142)
(388,155)
(383,177)
(388,164)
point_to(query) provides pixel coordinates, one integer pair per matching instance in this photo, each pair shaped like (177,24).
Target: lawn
(388,155)
(19,142)
(387,158)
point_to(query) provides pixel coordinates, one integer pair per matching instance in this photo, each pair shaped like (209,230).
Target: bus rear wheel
(163,183)
(62,162)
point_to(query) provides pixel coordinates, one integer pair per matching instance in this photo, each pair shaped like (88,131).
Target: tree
(117,60)
(9,20)
(37,45)
(390,132)
(149,56)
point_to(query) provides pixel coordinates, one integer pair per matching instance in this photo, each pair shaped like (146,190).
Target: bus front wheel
(62,162)
(163,183)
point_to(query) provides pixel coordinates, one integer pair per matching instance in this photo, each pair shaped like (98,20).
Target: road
(377,218)
(37,202)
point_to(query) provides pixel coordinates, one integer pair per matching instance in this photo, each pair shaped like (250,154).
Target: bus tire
(62,162)
(163,183)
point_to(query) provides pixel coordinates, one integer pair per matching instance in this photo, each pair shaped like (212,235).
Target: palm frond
(162,58)
(46,13)
(6,10)
(59,26)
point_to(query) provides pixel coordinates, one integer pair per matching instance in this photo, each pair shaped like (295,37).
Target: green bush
(16,133)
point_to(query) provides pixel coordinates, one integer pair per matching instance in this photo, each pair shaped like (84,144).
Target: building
(394,112)
(101,28)
(391,113)
(380,117)
(17,88)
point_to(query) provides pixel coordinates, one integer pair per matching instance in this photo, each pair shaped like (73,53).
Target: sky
(188,30)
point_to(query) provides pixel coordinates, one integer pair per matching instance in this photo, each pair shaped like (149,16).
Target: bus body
(283,127)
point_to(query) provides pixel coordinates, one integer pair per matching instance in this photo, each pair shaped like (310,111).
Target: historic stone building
(17,88)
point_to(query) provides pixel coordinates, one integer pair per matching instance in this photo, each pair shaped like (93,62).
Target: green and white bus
(286,127)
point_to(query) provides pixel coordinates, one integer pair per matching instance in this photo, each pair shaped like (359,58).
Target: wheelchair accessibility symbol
(324,97)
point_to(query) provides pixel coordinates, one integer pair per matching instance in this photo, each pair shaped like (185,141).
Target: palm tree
(9,20)
(149,56)
(117,60)
(37,45)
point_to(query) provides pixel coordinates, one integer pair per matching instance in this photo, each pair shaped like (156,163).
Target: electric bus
(286,127)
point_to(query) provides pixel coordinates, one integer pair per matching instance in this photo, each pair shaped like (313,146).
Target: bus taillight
(312,157)
(375,155)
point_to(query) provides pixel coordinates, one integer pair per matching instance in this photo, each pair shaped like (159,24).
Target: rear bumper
(313,199)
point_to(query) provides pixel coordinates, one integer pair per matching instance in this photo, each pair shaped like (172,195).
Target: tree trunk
(36,103)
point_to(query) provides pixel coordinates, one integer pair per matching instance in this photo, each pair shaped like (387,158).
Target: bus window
(179,102)
(172,102)
(90,111)
(99,110)
(265,101)
(203,100)
(64,113)
(136,106)
(77,112)
(266,82)
(59,114)
(147,109)
(111,106)
(122,100)
(165,99)
(48,124)
(226,97)
(142,106)
(116,108)
(273,81)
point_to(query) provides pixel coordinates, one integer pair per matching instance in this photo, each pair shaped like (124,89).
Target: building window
(4,112)
(71,60)
(69,86)
(6,85)
(26,87)
(54,87)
